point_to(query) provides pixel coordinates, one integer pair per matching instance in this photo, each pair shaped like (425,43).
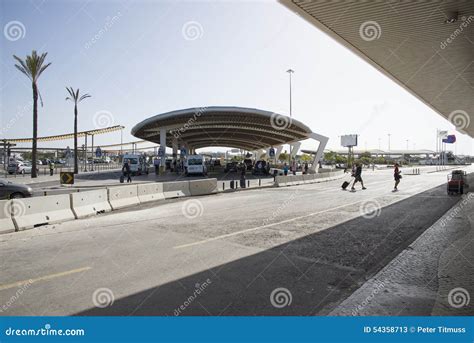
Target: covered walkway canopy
(221,126)
(427,47)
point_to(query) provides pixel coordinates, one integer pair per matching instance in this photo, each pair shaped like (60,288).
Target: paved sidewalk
(433,276)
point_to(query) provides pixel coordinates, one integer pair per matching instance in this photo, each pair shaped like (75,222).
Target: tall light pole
(290,71)
(388,134)
(408,144)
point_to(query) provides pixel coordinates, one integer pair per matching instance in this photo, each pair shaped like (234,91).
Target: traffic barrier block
(150,192)
(6,221)
(90,203)
(308,178)
(30,212)
(176,189)
(202,187)
(123,196)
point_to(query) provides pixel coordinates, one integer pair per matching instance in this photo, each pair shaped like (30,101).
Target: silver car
(20,168)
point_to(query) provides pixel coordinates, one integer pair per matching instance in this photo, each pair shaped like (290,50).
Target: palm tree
(74,96)
(33,66)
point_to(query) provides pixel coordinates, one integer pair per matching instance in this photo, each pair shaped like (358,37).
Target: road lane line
(264,226)
(43,278)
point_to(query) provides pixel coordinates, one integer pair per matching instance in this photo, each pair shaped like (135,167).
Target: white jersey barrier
(150,192)
(6,221)
(90,203)
(123,196)
(28,213)
(176,189)
(293,180)
(202,187)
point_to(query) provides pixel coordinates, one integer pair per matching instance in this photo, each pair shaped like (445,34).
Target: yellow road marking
(43,278)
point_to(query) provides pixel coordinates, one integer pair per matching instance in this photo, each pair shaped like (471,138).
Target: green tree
(74,97)
(33,66)
(306,158)
(283,157)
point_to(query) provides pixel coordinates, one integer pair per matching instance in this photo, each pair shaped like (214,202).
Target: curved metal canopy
(427,47)
(236,127)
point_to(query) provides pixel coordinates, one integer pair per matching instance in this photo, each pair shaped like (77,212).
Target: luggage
(122,179)
(345,184)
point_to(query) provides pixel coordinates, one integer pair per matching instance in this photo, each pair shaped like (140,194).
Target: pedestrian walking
(156,164)
(306,167)
(397,176)
(51,168)
(357,176)
(293,167)
(285,169)
(126,172)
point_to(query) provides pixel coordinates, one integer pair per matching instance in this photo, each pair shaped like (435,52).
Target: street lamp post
(290,71)
(388,134)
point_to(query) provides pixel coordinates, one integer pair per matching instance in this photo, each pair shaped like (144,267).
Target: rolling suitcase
(122,179)
(345,184)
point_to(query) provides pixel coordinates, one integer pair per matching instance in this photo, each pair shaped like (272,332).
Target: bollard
(248,183)
(259,182)
(223,186)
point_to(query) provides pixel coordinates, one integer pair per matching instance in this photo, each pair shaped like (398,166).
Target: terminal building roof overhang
(236,127)
(411,42)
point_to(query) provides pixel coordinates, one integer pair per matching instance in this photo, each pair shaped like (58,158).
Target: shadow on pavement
(318,270)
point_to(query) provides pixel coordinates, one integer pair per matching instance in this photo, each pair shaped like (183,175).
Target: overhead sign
(161,151)
(349,141)
(66,178)
(271,152)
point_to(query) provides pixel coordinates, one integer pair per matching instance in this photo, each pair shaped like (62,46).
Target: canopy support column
(162,150)
(323,141)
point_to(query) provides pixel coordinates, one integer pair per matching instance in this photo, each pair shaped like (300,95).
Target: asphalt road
(278,251)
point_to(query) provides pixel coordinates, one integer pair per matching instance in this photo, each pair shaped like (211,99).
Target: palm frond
(85,96)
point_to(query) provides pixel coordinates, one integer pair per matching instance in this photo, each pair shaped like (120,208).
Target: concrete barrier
(30,212)
(150,192)
(6,221)
(202,187)
(281,181)
(90,203)
(308,178)
(176,189)
(123,196)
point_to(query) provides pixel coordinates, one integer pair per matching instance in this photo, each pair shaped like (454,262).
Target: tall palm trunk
(76,167)
(35,130)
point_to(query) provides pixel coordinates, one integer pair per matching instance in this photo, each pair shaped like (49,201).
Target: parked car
(10,190)
(19,168)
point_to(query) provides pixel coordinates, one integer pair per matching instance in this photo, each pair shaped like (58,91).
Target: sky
(141,58)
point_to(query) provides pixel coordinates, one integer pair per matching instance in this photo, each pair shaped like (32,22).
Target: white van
(196,164)
(137,163)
